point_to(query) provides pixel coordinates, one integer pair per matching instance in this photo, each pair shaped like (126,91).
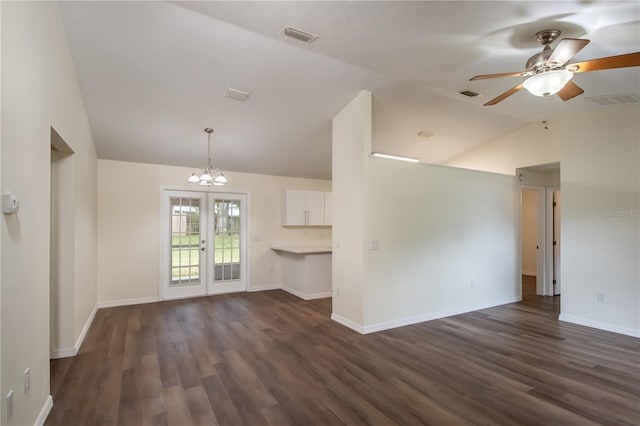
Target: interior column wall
(39,91)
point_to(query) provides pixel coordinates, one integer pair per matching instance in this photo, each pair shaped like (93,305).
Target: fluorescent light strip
(394,157)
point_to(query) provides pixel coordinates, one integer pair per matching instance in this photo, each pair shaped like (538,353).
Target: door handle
(202,249)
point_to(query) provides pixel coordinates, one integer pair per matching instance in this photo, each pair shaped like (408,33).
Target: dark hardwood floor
(270,358)
(545,304)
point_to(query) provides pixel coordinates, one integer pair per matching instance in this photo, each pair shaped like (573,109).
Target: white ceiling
(152,75)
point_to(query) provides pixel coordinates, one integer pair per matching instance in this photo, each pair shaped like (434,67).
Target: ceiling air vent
(425,134)
(299,34)
(628,98)
(468,93)
(237,94)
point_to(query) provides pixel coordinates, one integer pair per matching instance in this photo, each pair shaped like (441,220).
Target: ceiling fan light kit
(547,83)
(549,71)
(209,175)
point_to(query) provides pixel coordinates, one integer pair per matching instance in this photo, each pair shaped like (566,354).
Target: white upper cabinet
(327,209)
(305,208)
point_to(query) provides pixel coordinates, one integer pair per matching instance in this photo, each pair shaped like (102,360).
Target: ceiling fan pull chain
(545,123)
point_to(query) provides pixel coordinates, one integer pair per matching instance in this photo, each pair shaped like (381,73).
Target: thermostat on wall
(10,204)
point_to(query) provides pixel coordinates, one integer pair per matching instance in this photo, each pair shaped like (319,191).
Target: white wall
(598,154)
(39,91)
(128,225)
(506,154)
(448,237)
(600,178)
(351,143)
(529,231)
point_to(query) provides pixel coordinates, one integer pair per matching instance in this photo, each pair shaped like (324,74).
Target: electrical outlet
(27,380)
(374,245)
(9,405)
(471,284)
(337,291)
(601,297)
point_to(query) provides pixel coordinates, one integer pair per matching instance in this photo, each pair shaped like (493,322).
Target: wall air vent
(628,98)
(237,94)
(299,34)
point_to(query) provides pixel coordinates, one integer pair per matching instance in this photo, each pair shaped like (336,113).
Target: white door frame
(549,260)
(208,194)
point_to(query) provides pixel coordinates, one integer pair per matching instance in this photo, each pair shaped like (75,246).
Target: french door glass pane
(185,240)
(227,240)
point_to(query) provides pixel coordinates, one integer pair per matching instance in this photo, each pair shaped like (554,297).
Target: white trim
(264,287)
(306,296)
(44,413)
(347,323)
(600,325)
(127,302)
(372,328)
(57,353)
(85,329)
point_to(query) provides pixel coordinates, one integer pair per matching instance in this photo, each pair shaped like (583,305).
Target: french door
(203,243)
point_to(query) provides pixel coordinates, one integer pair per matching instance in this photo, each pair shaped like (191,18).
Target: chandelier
(209,175)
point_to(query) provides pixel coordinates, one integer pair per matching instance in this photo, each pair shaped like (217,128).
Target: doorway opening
(62,247)
(540,237)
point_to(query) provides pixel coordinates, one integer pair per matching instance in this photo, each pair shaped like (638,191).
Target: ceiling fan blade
(504,95)
(565,50)
(569,91)
(619,61)
(505,74)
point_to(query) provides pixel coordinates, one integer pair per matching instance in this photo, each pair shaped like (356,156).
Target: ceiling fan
(549,72)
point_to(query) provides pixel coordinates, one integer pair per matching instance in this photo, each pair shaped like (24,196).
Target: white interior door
(203,243)
(183,243)
(228,229)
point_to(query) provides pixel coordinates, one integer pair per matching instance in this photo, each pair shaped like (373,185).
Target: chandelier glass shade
(209,175)
(547,83)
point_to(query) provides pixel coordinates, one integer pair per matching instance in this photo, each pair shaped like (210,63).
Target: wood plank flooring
(270,358)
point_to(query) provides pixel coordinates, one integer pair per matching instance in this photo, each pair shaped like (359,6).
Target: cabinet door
(315,208)
(327,208)
(295,208)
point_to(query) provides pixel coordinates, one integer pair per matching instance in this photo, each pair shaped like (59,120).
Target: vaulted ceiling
(153,73)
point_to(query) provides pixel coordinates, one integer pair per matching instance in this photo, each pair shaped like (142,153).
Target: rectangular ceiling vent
(299,34)
(628,98)
(468,93)
(237,94)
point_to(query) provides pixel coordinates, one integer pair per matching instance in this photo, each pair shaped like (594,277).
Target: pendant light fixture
(209,175)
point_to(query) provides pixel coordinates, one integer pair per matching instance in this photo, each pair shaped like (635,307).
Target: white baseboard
(600,325)
(348,323)
(372,328)
(264,287)
(44,413)
(57,353)
(306,296)
(127,302)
